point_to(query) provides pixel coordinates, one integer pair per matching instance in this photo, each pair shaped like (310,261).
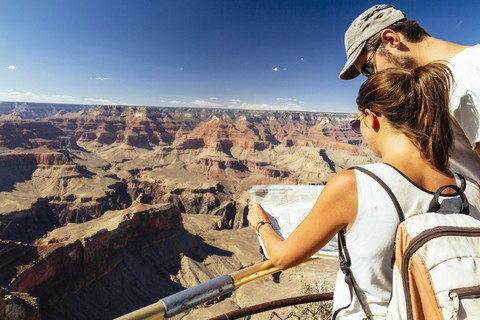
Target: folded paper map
(287,206)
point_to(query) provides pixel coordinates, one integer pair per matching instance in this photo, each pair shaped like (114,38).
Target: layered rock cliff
(93,197)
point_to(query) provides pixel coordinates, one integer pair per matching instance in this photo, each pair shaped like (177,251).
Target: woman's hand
(256,214)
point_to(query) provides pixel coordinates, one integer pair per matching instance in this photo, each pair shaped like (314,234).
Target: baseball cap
(363,28)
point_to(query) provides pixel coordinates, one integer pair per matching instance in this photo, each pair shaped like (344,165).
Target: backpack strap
(435,205)
(463,183)
(344,257)
(389,191)
(345,262)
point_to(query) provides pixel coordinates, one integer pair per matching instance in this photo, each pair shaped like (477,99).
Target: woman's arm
(335,208)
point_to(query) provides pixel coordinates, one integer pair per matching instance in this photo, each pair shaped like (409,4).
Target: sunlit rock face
(93,197)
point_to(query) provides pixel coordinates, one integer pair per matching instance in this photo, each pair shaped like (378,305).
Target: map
(287,206)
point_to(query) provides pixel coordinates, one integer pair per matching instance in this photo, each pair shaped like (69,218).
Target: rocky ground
(108,209)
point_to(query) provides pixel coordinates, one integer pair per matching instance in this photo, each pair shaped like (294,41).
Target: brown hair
(416,103)
(412,31)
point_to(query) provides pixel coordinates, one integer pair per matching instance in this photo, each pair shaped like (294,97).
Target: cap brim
(349,71)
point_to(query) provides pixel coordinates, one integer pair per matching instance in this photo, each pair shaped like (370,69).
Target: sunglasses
(355,124)
(368,68)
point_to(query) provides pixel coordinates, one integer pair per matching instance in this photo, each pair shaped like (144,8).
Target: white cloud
(286,99)
(101,78)
(35,97)
(98,100)
(265,106)
(64,98)
(301,59)
(275,69)
(11,67)
(29,96)
(234,101)
(212,98)
(177,102)
(204,103)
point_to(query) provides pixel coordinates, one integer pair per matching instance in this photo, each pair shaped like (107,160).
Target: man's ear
(390,39)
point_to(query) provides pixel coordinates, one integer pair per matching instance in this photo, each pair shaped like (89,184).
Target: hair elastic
(413,74)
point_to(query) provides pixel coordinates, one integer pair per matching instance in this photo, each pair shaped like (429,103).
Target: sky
(240,54)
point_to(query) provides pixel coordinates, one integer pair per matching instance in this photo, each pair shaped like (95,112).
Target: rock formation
(141,201)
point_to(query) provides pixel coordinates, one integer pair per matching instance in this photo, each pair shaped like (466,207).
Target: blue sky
(254,54)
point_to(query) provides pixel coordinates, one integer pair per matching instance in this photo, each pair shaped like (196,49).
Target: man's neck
(432,49)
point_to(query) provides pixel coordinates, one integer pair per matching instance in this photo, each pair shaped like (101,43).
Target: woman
(404,117)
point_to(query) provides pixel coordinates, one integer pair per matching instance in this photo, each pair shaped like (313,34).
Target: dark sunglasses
(368,68)
(355,124)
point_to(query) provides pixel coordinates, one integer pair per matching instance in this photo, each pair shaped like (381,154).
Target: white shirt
(465,110)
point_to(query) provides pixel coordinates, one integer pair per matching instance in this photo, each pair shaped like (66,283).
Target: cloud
(98,100)
(204,103)
(11,67)
(101,78)
(275,69)
(35,97)
(265,106)
(286,99)
(177,102)
(212,98)
(29,96)
(64,98)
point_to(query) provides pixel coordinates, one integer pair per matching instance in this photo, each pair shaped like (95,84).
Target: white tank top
(370,240)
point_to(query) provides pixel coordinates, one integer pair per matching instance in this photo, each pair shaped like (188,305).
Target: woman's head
(416,104)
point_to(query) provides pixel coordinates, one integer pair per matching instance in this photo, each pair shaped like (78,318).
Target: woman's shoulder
(342,183)
(343,178)
(347,179)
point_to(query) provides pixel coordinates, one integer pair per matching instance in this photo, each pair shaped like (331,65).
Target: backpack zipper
(462,293)
(418,242)
(466,293)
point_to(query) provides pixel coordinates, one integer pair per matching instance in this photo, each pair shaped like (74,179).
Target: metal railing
(237,314)
(192,297)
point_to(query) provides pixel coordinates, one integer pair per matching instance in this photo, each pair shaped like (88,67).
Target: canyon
(106,209)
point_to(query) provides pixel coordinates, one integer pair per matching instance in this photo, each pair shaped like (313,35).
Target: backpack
(436,262)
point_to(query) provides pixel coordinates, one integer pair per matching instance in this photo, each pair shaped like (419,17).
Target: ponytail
(416,103)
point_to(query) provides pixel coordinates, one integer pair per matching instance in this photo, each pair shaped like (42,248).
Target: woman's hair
(416,103)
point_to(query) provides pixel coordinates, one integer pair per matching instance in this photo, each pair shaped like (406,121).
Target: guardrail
(237,314)
(192,297)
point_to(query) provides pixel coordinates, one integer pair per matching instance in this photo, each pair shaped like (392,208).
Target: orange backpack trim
(418,279)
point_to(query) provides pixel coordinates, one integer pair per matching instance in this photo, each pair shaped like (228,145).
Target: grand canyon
(106,209)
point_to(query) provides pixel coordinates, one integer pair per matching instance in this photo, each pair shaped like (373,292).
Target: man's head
(377,32)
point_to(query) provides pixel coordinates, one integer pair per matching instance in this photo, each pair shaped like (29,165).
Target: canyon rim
(106,209)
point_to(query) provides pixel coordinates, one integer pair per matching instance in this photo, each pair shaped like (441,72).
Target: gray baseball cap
(367,24)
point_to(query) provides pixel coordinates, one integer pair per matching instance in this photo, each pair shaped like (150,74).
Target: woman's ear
(375,123)
(372,119)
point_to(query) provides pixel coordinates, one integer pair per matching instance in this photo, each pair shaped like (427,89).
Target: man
(383,37)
